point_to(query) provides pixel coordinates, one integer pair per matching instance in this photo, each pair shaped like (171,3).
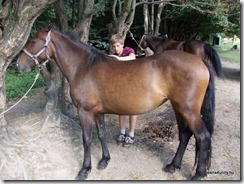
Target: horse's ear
(50,26)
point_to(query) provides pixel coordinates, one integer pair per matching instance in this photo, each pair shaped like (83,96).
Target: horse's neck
(154,45)
(67,58)
(171,45)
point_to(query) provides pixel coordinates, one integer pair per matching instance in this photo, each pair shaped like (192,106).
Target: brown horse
(205,51)
(100,84)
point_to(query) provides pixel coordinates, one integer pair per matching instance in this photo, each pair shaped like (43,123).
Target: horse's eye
(33,41)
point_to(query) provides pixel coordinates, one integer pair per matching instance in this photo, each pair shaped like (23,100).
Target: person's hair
(116,38)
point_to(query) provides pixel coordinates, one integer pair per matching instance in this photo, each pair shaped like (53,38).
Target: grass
(224,51)
(17,84)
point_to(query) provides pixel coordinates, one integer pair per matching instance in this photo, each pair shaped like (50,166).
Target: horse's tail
(208,105)
(214,58)
(208,112)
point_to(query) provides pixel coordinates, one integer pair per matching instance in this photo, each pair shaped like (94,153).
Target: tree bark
(152,18)
(123,16)
(158,18)
(58,92)
(16,20)
(145,13)
(85,15)
(61,15)
(57,87)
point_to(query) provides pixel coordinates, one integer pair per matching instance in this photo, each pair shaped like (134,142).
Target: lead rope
(39,66)
(36,77)
(133,38)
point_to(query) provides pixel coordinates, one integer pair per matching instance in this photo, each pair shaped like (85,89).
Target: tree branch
(168,2)
(154,2)
(114,10)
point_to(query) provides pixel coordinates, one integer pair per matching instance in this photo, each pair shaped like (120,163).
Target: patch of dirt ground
(50,150)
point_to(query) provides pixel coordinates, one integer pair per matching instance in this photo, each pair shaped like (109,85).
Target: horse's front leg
(101,132)
(86,120)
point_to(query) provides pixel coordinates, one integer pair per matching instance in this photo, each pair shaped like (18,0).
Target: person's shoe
(121,138)
(128,141)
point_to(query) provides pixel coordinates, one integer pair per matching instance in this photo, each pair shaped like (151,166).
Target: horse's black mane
(93,52)
(157,38)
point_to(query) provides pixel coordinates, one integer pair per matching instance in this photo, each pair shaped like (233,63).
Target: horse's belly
(134,105)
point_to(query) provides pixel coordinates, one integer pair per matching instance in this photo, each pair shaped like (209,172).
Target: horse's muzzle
(23,67)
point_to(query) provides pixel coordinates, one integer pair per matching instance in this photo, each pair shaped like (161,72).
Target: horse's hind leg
(184,136)
(101,131)
(193,125)
(203,141)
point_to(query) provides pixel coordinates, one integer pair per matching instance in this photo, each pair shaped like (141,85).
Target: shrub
(17,84)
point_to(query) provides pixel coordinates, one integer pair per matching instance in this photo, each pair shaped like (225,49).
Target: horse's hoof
(102,164)
(195,178)
(170,168)
(198,177)
(82,175)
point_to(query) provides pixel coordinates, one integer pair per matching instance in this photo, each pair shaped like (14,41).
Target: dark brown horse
(205,51)
(100,84)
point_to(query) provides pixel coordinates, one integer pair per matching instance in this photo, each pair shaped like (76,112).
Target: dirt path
(54,151)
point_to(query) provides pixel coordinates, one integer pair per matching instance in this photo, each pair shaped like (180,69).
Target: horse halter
(132,36)
(139,45)
(34,57)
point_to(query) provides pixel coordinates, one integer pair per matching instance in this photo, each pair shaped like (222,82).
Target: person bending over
(124,54)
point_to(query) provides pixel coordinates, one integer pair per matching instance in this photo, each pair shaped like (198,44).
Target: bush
(17,84)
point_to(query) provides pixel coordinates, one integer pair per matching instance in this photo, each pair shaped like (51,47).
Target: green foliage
(202,17)
(101,6)
(18,84)
(101,45)
(43,19)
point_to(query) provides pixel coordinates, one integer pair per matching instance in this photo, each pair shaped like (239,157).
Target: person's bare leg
(132,122)
(122,120)
(130,139)
(122,135)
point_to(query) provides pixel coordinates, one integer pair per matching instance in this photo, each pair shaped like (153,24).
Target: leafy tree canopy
(182,19)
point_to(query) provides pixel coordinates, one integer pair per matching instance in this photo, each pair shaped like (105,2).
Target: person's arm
(131,56)
(125,58)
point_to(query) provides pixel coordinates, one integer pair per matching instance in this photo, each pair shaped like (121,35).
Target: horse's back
(195,47)
(180,59)
(181,66)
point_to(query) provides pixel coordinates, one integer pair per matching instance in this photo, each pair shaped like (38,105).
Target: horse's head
(38,51)
(150,41)
(142,45)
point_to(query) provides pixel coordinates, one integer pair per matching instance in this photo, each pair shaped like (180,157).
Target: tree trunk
(16,20)
(85,13)
(158,19)
(61,15)
(152,19)
(145,13)
(57,87)
(123,18)
(82,29)
(58,92)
